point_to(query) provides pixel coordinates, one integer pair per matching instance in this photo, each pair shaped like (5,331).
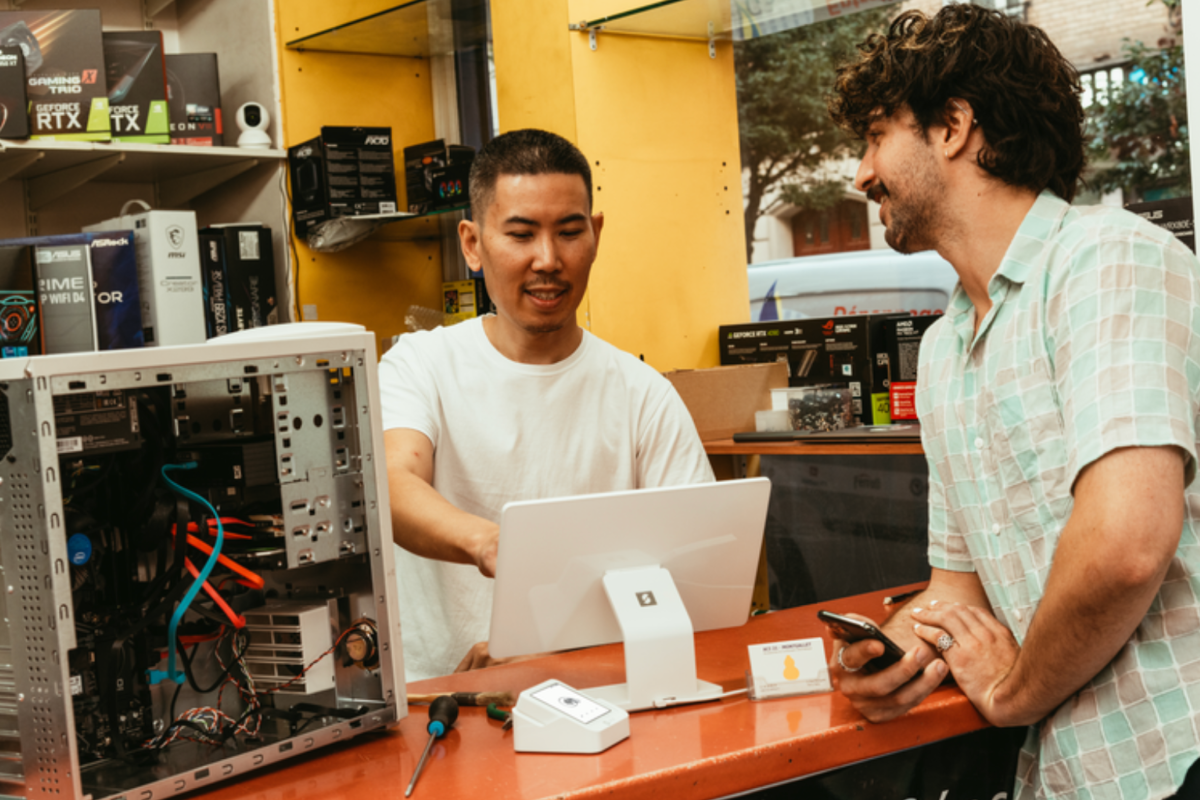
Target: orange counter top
(700,751)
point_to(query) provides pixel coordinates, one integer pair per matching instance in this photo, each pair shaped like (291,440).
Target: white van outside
(845,284)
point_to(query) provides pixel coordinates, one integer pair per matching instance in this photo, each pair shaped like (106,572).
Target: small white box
(168,259)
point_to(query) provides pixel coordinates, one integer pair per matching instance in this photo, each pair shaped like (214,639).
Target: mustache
(877,192)
(547,284)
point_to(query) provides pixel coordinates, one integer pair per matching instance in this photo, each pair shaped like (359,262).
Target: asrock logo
(110,242)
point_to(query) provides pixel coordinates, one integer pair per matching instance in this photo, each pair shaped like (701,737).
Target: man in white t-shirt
(519,405)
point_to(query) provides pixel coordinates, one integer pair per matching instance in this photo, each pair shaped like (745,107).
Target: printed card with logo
(780,669)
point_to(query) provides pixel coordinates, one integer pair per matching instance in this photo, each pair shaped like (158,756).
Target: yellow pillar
(657,117)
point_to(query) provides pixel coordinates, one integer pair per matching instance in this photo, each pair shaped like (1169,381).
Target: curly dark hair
(528,151)
(1025,95)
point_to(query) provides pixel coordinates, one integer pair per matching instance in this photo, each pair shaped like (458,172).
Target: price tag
(780,669)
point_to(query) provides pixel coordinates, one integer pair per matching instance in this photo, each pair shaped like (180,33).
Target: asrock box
(1176,215)
(14,116)
(250,275)
(136,75)
(112,259)
(19,332)
(436,175)
(836,350)
(194,98)
(64,67)
(344,172)
(168,263)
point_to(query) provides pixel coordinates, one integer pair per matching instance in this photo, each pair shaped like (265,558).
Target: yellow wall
(374,282)
(658,120)
(656,117)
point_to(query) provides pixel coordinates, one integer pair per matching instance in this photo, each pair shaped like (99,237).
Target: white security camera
(252,120)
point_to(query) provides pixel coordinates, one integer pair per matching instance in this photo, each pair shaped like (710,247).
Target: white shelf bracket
(15,163)
(712,40)
(592,43)
(177,191)
(45,189)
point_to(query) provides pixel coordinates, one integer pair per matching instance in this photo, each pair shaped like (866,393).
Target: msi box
(250,275)
(19,334)
(64,66)
(194,97)
(168,262)
(1175,215)
(436,176)
(137,86)
(14,116)
(116,302)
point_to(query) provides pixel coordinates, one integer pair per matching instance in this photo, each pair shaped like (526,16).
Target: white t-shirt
(599,421)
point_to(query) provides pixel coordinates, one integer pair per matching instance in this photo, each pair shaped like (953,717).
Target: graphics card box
(136,75)
(116,300)
(14,114)
(216,283)
(835,350)
(463,300)
(168,263)
(344,172)
(194,98)
(250,275)
(1175,214)
(64,67)
(902,339)
(436,176)
(19,332)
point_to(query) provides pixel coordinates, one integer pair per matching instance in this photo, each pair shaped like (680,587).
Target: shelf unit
(58,187)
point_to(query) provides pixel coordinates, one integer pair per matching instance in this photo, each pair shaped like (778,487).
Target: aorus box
(19,333)
(64,68)
(194,97)
(137,86)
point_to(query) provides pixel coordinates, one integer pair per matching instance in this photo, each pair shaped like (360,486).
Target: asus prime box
(344,172)
(436,176)
(136,75)
(168,263)
(14,114)
(194,99)
(249,263)
(64,67)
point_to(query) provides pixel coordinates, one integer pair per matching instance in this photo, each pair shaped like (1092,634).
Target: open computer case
(122,476)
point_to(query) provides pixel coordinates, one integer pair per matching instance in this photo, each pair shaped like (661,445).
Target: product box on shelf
(168,263)
(64,66)
(436,175)
(722,400)
(463,300)
(19,333)
(194,99)
(902,338)
(216,284)
(137,86)
(834,350)
(344,172)
(250,275)
(14,114)
(1175,214)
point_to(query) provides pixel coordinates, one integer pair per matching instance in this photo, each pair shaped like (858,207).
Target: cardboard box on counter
(722,400)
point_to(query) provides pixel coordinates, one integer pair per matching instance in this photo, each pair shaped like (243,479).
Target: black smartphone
(855,630)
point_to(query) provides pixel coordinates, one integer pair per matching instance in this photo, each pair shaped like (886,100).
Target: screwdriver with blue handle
(442,714)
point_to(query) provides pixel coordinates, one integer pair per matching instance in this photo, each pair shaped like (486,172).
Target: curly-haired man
(1059,403)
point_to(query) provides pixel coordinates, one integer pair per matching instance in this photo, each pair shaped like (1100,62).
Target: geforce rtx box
(14,117)
(136,75)
(194,97)
(344,172)
(168,260)
(64,68)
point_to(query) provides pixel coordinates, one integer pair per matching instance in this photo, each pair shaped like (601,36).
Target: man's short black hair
(525,152)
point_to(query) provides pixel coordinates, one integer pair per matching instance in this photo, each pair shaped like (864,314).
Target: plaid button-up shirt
(1092,344)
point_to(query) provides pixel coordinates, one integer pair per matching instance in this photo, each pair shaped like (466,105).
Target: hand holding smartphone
(849,629)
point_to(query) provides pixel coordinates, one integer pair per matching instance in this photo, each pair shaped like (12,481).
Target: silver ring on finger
(944,642)
(842,664)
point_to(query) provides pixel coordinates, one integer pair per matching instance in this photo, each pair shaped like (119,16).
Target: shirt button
(978,443)
(1020,617)
(996,528)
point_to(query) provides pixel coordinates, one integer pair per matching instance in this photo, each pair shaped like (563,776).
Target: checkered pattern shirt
(1092,344)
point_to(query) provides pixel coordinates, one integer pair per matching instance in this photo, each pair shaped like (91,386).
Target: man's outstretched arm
(424,522)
